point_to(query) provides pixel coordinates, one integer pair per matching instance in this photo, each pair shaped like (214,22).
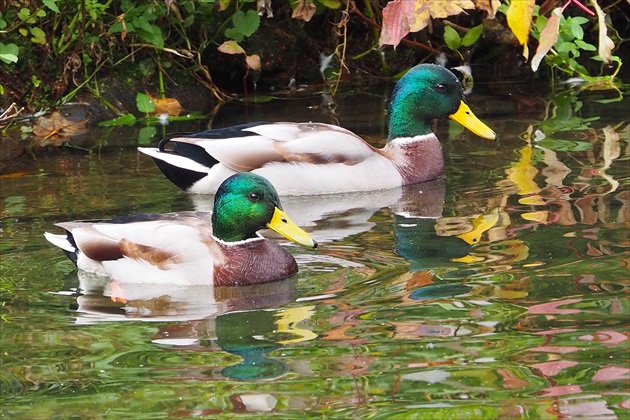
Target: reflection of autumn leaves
(550,201)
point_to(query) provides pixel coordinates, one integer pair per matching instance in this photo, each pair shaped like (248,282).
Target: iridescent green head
(427,92)
(246,203)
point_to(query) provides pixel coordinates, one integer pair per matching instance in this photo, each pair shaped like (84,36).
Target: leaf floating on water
(58,127)
(126,119)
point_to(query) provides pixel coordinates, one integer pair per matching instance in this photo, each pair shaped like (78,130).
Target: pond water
(498,291)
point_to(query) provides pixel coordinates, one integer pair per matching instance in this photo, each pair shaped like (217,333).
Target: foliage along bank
(50,50)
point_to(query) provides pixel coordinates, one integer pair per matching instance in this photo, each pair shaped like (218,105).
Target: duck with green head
(189,248)
(316,158)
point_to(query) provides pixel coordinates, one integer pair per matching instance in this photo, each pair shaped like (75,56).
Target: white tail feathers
(61,241)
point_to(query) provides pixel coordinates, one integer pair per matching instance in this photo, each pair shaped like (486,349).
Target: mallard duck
(221,249)
(316,158)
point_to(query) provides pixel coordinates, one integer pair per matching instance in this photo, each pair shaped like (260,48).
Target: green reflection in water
(523,280)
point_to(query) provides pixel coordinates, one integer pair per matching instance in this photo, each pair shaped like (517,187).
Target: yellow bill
(465,117)
(281,223)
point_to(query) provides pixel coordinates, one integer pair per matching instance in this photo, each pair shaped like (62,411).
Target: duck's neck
(405,121)
(228,230)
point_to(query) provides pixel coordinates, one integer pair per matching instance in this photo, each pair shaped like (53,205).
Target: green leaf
(144,103)
(24,14)
(146,135)
(51,4)
(585,45)
(472,35)
(127,119)
(153,36)
(452,39)
(234,34)
(115,28)
(331,4)
(577,31)
(39,37)
(246,23)
(566,47)
(580,20)
(9,53)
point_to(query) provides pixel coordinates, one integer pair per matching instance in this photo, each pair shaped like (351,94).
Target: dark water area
(497,291)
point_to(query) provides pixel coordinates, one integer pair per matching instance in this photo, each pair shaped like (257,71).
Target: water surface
(498,291)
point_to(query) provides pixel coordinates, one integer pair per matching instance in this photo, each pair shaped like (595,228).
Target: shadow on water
(498,291)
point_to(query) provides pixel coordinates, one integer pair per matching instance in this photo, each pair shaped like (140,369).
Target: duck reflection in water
(217,318)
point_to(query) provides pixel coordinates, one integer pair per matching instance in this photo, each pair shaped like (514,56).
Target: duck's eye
(441,87)
(253,197)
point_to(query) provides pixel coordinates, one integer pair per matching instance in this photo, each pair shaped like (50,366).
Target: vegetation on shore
(52,49)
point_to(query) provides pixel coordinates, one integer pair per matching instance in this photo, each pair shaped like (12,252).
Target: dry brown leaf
(264,6)
(58,126)
(304,10)
(548,37)
(253,62)
(403,16)
(490,6)
(606,44)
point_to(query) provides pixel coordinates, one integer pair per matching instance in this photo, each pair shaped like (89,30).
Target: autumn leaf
(223,4)
(253,62)
(264,6)
(304,10)
(54,129)
(170,106)
(519,19)
(605,43)
(403,16)
(58,125)
(548,37)
(490,6)
(231,47)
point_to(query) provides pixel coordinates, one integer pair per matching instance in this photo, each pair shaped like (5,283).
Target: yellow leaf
(253,62)
(606,44)
(548,37)
(231,47)
(403,16)
(490,6)
(519,18)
